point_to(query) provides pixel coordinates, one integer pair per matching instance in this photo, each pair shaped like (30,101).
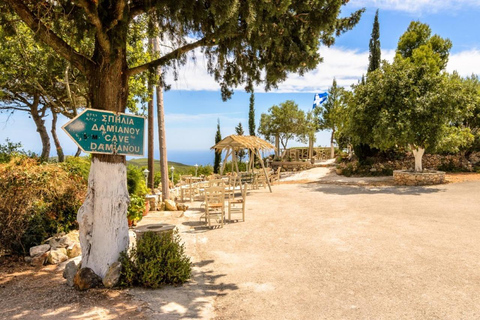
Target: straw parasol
(234,143)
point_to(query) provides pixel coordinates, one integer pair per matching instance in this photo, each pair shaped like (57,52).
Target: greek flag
(319,99)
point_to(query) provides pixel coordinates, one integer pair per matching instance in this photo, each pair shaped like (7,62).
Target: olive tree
(283,123)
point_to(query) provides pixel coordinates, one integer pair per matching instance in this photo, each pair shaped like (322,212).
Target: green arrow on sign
(99,131)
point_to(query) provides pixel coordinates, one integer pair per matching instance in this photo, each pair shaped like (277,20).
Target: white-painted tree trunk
(102,220)
(418,154)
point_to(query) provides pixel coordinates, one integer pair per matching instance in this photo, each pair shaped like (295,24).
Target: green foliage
(77,166)
(156,260)
(136,181)
(11,149)
(36,201)
(286,122)
(374,57)
(136,207)
(137,188)
(251,115)
(218,154)
(331,114)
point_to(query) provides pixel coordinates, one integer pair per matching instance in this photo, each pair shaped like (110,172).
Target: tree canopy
(285,121)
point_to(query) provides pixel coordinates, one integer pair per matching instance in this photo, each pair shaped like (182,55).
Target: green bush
(136,207)
(37,200)
(156,260)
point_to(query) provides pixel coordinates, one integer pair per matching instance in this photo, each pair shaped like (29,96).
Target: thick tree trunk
(418,154)
(41,129)
(60,155)
(162,140)
(332,148)
(102,218)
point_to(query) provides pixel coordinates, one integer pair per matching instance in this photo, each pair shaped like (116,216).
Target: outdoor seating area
(221,198)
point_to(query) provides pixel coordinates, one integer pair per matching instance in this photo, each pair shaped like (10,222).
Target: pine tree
(374,57)
(218,154)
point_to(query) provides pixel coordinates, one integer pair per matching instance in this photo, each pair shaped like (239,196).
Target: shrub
(36,201)
(156,260)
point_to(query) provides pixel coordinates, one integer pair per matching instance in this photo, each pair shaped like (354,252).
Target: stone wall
(411,178)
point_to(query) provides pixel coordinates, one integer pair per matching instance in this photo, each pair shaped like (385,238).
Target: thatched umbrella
(234,143)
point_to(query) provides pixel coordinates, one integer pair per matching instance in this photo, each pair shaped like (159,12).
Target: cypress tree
(218,154)
(374,57)
(251,115)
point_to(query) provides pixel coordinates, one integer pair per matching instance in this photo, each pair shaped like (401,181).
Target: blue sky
(193,105)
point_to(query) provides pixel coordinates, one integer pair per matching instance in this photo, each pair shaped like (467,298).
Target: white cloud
(417,6)
(465,62)
(345,65)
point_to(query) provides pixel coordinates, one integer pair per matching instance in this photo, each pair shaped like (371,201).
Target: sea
(193,157)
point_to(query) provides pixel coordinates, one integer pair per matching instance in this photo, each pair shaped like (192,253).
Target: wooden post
(264,171)
(310,149)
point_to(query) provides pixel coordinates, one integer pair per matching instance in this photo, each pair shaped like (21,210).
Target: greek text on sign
(99,131)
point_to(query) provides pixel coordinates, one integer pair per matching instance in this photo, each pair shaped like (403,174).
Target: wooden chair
(237,205)
(215,204)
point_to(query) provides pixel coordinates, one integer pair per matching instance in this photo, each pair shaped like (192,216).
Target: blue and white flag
(319,99)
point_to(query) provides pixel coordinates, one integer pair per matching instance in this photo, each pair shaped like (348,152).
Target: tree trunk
(150,139)
(102,219)
(332,148)
(162,141)
(418,154)
(79,151)
(60,155)
(41,129)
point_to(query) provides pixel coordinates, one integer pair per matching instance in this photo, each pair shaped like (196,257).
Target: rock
(113,275)
(170,205)
(38,250)
(39,260)
(74,250)
(70,271)
(182,207)
(64,241)
(85,279)
(28,259)
(58,255)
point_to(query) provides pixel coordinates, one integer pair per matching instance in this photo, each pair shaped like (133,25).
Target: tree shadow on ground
(366,189)
(30,293)
(193,300)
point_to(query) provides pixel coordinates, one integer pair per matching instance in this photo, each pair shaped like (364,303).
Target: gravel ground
(316,250)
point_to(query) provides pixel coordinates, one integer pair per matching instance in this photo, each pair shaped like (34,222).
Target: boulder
(170,205)
(39,260)
(113,275)
(74,250)
(70,271)
(64,241)
(39,250)
(85,279)
(55,256)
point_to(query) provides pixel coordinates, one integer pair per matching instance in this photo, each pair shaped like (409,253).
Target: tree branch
(91,11)
(81,62)
(169,56)
(119,10)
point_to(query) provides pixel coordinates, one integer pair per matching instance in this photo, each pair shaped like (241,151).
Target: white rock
(39,250)
(58,255)
(74,250)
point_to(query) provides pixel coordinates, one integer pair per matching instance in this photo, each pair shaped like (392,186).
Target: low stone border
(411,178)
